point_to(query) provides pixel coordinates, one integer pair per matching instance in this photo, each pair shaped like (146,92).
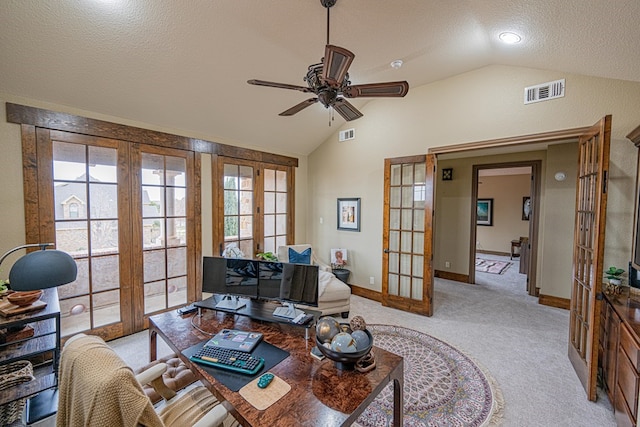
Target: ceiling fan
(329,80)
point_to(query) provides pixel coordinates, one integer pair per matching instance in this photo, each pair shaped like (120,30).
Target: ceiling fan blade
(298,107)
(336,64)
(278,85)
(346,110)
(388,89)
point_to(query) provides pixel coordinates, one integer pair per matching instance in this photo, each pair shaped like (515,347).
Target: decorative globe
(343,343)
(361,338)
(326,329)
(358,323)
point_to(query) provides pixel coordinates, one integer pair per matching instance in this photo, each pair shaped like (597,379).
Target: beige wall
(12,225)
(480,105)
(507,192)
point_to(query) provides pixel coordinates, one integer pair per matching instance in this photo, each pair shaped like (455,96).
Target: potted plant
(614,275)
(267,256)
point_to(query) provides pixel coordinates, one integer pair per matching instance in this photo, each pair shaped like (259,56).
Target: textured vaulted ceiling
(184,64)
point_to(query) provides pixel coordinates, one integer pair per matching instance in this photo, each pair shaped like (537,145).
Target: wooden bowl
(24,299)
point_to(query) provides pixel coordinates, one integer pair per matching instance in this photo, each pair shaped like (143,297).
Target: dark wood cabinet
(620,356)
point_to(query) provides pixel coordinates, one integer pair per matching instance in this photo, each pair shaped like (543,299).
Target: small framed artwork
(526,208)
(447,174)
(349,214)
(338,257)
(484,212)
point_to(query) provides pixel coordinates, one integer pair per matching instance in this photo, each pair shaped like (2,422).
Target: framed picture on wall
(349,214)
(484,212)
(526,208)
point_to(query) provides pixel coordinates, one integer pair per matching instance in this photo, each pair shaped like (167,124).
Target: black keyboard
(231,360)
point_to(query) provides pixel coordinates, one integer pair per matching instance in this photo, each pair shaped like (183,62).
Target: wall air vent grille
(544,91)
(346,135)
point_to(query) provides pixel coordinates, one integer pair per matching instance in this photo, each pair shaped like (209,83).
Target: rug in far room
(492,266)
(442,386)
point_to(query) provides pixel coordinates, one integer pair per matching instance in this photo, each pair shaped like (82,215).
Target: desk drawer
(630,347)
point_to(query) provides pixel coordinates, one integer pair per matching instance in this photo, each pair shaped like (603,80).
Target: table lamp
(41,269)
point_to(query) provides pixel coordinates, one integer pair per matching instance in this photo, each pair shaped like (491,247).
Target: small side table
(342,274)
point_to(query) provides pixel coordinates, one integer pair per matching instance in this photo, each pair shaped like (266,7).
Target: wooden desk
(320,394)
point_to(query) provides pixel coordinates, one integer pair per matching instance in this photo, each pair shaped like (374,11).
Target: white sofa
(333,295)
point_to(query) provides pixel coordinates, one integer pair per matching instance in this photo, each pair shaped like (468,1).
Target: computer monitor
(269,279)
(299,285)
(233,278)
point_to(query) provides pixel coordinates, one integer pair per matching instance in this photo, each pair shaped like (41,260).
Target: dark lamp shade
(42,269)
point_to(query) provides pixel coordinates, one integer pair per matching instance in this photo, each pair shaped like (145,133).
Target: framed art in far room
(484,213)
(349,214)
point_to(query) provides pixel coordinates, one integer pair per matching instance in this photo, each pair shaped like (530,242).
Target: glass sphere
(361,338)
(326,329)
(343,343)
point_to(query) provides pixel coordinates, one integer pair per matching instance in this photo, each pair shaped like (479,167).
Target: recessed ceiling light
(396,64)
(510,38)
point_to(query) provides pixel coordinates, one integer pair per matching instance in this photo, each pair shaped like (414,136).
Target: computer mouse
(265,380)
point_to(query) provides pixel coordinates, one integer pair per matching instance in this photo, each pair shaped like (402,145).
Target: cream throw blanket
(98,389)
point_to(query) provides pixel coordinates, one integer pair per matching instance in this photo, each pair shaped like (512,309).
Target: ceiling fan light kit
(329,81)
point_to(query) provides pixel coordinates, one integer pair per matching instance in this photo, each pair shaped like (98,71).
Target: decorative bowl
(24,299)
(345,361)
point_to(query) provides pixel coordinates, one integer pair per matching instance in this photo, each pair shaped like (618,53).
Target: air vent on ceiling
(544,91)
(346,135)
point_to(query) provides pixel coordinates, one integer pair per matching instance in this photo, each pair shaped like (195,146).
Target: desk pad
(234,381)
(262,398)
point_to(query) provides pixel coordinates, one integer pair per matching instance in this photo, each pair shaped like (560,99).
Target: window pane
(154,296)
(231,227)
(105,272)
(407,197)
(270,244)
(405,264)
(246,246)
(152,233)
(418,243)
(176,231)
(246,203)
(281,181)
(246,178)
(69,161)
(393,263)
(405,286)
(406,241)
(230,202)
(395,174)
(152,169)
(269,203)
(106,308)
(280,241)
(416,289)
(67,194)
(74,315)
(418,265)
(152,202)
(177,258)
(177,291)
(104,237)
(394,241)
(281,203)
(420,174)
(246,227)
(153,264)
(394,219)
(407,217)
(395,197)
(72,237)
(269,180)
(104,200)
(80,286)
(176,171)
(281,224)
(393,284)
(103,165)
(407,174)
(176,201)
(269,225)
(418,220)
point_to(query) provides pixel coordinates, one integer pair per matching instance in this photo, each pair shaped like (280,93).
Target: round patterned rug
(442,386)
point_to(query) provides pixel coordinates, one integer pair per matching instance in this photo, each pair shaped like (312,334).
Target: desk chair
(96,387)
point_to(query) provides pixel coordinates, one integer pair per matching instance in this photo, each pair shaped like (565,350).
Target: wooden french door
(407,259)
(588,251)
(124,213)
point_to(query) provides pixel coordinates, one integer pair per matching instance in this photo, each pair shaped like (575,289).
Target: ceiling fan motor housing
(328,3)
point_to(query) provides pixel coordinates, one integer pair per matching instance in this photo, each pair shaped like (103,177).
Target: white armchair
(333,295)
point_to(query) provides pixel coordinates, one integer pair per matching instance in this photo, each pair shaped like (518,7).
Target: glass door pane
(275,209)
(164,231)
(85,182)
(238,186)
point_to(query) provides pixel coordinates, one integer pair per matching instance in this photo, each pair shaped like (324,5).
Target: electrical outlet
(447,264)
(371,281)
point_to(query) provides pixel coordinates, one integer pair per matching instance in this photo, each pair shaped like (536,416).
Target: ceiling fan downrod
(328,4)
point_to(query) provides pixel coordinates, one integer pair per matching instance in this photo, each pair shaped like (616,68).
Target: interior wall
(12,226)
(483,104)
(507,192)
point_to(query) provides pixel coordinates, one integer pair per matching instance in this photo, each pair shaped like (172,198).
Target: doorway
(504,217)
